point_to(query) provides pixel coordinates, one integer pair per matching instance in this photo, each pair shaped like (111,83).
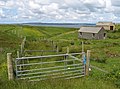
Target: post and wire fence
(36,68)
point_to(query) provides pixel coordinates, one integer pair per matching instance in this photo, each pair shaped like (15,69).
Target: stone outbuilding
(106,25)
(91,32)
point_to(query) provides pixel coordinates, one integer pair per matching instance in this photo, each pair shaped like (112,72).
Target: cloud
(59,10)
(95,5)
(115,3)
(2,4)
(1,13)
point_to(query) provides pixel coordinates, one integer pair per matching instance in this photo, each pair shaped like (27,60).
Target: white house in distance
(106,25)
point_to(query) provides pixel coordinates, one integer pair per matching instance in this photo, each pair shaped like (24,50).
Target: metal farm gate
(65,66)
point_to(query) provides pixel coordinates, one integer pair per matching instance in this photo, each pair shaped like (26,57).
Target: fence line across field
(54,47)
(40,51)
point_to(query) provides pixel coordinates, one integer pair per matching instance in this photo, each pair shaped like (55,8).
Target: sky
(59,11)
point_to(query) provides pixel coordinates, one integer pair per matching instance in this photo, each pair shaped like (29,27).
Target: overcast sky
(59,10)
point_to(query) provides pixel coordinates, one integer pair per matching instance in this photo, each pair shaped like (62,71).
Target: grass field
(105,55)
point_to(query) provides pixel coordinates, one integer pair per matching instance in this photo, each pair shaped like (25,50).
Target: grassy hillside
(105,54)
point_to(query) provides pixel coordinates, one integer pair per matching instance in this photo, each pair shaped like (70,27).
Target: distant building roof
(104,23)
(90,29)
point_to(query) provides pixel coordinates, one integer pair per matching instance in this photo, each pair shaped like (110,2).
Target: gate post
(87,63)
(10,66)
(84,61)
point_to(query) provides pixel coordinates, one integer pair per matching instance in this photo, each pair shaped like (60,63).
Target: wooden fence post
(52,44)
(23,46)
(82,46)
(21,50)
(57,48)
(87,63)
(67,50)
(10,66)
(18,54)
(15,31)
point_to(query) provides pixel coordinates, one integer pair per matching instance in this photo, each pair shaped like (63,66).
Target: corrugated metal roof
(90,29)
(104,23)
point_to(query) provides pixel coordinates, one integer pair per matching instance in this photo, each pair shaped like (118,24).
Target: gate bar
(23,58)
(49,71)
(48,68)
(45,62)
(55,74)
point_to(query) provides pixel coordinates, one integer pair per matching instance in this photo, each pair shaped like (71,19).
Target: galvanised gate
(66,66)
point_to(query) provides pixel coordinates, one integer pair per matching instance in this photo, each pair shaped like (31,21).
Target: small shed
(106,25)
(92,32)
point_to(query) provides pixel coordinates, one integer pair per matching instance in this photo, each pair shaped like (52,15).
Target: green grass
(105,54)
(82,83)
